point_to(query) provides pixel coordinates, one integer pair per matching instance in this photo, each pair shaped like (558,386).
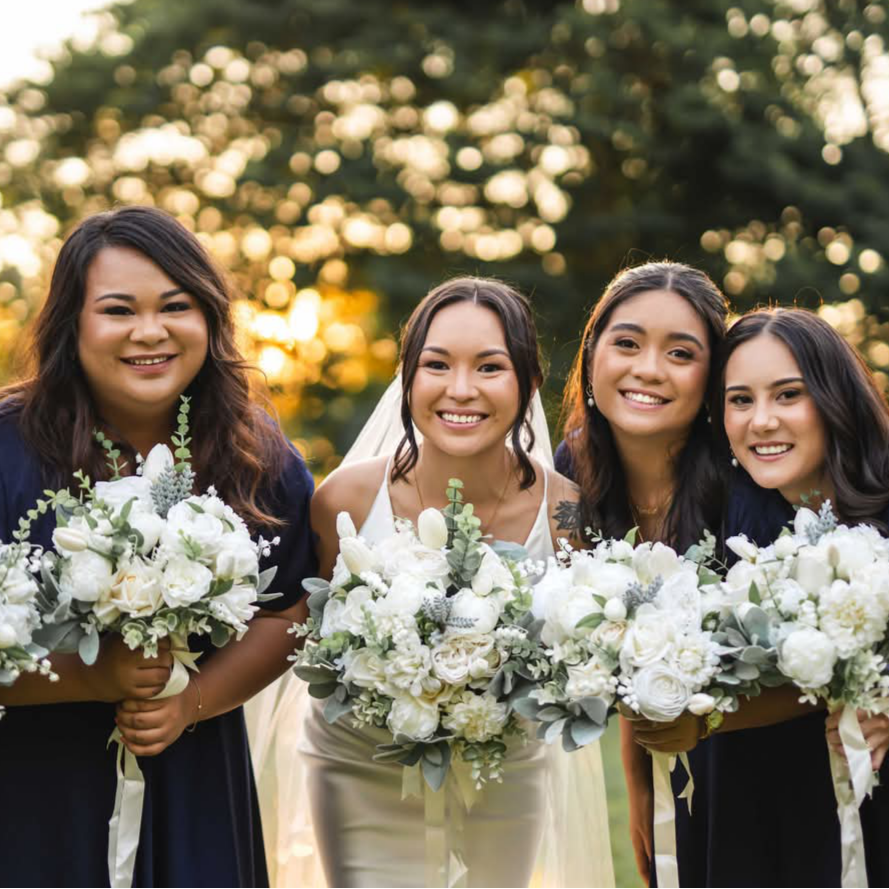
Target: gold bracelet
(197,716)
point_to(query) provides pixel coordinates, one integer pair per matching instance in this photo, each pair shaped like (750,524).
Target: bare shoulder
(563,502)
(349,489)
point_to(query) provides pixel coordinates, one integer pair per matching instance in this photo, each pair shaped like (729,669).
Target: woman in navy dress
(136,316)
(802,415)
(638,441)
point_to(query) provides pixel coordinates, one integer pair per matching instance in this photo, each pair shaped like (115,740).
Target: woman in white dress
(470,369)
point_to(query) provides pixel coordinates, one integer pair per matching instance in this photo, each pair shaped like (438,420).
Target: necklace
(499,499)
(646,511)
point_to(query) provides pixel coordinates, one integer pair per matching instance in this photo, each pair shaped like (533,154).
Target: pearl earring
(734,460)
(589,392)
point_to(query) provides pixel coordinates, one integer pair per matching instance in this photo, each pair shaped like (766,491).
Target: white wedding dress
(326,802)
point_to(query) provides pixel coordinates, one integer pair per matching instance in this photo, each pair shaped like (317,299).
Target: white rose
(118,493)
(655,560)
(85,576)
(492,574)
(351,618)
(203,530)
(661,693)
(590,680)
(432,529)
(483,611)
(185,581)
(70,540)
(650,637)
(852,616)
(786,546)
(739,578)
(849,552)
(402,553)
(743,548)
(148,523)
(412,717)
(701,704)
(458,659)
(608,579)
(405,596)
(357,555)
(345,527)
(136,588)
(238,557)
(159,459)
(330,619)
(16,625)
(364,668)
(235,607)
(812,569)
(618,550)
(681,599)
(476,717)
(19,585)
(807,657)
(610,635)
(407,665)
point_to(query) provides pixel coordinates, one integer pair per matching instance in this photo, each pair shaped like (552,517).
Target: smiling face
(771,419)
(650,365)
(465,395)
(141,338)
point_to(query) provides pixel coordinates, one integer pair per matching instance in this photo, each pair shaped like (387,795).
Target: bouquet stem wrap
(126,819)
(662,764)
(853,779)
(444,812)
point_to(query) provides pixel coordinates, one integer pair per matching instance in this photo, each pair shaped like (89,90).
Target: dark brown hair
(520,334)
(854,411)
(235,445)
(595,460)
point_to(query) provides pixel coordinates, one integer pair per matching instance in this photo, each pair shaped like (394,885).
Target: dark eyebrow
(774,385)
(677,335)
(485,354)
(128,297)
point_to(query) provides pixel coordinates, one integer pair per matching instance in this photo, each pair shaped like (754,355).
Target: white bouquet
(812,608)
(625,624)
(427,634)
(144,557)
(20,614)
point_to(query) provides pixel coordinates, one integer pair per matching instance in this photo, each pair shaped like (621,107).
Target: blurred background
(341,158)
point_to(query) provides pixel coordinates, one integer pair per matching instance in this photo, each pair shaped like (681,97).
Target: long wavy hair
(597,466)
(235,445)
(854,411)
(520,334)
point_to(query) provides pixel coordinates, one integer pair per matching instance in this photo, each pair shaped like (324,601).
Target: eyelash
(441,365)
(167,309)
(681,354)
(788,395)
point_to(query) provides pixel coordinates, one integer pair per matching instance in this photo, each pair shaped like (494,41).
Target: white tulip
(432,529)
(71,540)
(743,547)
(357,555)
(345,527)
(159,459)
(701,704)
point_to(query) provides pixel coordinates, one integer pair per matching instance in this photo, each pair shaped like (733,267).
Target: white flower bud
(785,546)
(7,636)
(742,547)
(615,609)
(70,539)
(345,527)
(160,457)
(357,555)
(432,529)
(701,704)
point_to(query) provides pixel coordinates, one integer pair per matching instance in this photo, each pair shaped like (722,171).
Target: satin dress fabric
(367,835)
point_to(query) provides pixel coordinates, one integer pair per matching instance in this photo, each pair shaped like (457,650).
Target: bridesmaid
(791,380)
(638,440)
(137,315)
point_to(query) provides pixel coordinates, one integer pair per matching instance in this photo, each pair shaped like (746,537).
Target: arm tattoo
(567,516)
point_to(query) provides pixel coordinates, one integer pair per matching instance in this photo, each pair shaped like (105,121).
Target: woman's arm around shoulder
(350,489)
(564,510)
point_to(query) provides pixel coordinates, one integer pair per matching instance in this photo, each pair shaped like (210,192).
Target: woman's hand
(120,672)
(874,728)
(678,736)
(149,727)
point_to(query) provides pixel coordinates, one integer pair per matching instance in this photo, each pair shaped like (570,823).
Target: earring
(709,418)
(589,393)
(734,459)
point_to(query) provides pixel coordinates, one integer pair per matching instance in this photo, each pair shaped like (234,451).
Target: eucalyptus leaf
(310,673)
(585,731)
(550,713)
(265,579)
(434,775)
(508,550)
(595,709)
(412,755)
(322,689)
(554,729)
(335,708)
(88,647)
(220,634)
(527,707)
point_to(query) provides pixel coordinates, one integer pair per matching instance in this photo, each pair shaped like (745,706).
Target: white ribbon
(666,864)
(853,779)
(126,820)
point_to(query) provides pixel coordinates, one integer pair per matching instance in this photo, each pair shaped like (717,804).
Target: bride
(470,371)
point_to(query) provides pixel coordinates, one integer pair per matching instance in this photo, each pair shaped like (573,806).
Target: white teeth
(771,450)
(462,418)
(141,361)
(644,399)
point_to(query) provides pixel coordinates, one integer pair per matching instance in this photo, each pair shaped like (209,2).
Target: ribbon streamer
(665,859)
(126,819)
(853,779)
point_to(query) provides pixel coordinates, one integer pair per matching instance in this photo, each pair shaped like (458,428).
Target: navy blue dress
(200,822)
(764,811)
